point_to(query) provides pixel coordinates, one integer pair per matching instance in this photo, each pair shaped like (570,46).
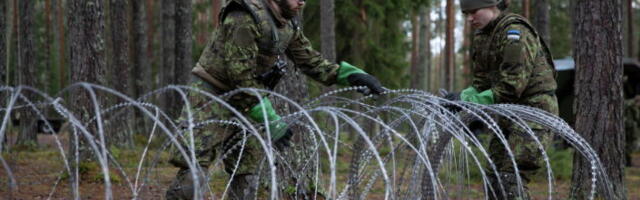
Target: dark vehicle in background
(566,76)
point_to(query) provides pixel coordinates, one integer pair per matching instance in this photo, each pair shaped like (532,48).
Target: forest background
(141,45)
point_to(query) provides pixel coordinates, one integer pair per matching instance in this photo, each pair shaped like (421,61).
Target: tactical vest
(273,42)
(484,54)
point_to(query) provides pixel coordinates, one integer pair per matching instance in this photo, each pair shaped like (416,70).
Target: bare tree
(449,57)
(597,39)
(26,63)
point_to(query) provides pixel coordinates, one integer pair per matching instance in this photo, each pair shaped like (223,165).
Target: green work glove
(472,95)
(276,126)
(349,75)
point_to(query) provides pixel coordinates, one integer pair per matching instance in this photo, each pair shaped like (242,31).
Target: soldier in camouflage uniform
(254,43)
(511,64)
(631,126)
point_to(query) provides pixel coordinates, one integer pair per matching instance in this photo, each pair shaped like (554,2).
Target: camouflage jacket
(249,40)
(513,61)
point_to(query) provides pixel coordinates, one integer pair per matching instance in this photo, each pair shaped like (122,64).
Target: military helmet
(467,5)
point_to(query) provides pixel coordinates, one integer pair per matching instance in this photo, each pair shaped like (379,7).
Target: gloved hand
(350,75)
(277,128)
(451,96)
(284,141)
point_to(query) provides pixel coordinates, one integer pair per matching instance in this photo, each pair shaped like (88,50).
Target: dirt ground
(39,176)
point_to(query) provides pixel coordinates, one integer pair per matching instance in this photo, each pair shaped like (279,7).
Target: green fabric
(472,95)
(345,71)
(276,127)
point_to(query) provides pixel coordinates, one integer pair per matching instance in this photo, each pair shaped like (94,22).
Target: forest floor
(40,175)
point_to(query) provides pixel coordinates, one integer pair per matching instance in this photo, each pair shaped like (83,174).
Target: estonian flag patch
(513,34)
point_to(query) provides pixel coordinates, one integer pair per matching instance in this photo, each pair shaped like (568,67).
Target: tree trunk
(151,30)
(217,7)
(183,57)
(62,45)
(168,53)
(3,63)
(415,40)
(86,27)
(119,130)
(425,48)
(541,20)
(466,58)
(27,75)
(598,55)
(48,64)
(449,57)
(630,28)
(328,27)
(526,8)
(3,46)
(141,68)
(328,33)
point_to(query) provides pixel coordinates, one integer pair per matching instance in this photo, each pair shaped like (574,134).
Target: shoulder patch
(513,34)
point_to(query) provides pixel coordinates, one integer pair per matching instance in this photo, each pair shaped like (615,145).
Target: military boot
(509,183)
(244,187)
(182,187)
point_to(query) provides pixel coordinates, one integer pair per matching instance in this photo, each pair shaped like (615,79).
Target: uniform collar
(489,28)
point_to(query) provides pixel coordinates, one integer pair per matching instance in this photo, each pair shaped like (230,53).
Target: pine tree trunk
(598,55)
(3,46)
(141,81)
(328,27)
(61,44)
(449,57)
(27,75)
(183,48)
(3,61)
(526,8)
(630,28)
(216,6)
(151,34)
(168,53)
(48,64)
(415,57)
(86,27)
(541,20)
(119,130)
(466,62)
(425,47)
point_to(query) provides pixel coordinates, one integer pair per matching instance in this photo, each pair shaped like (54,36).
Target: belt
(217,86)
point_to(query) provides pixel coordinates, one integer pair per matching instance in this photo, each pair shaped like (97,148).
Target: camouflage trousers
(212,142)
(526,152)
(528,158)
